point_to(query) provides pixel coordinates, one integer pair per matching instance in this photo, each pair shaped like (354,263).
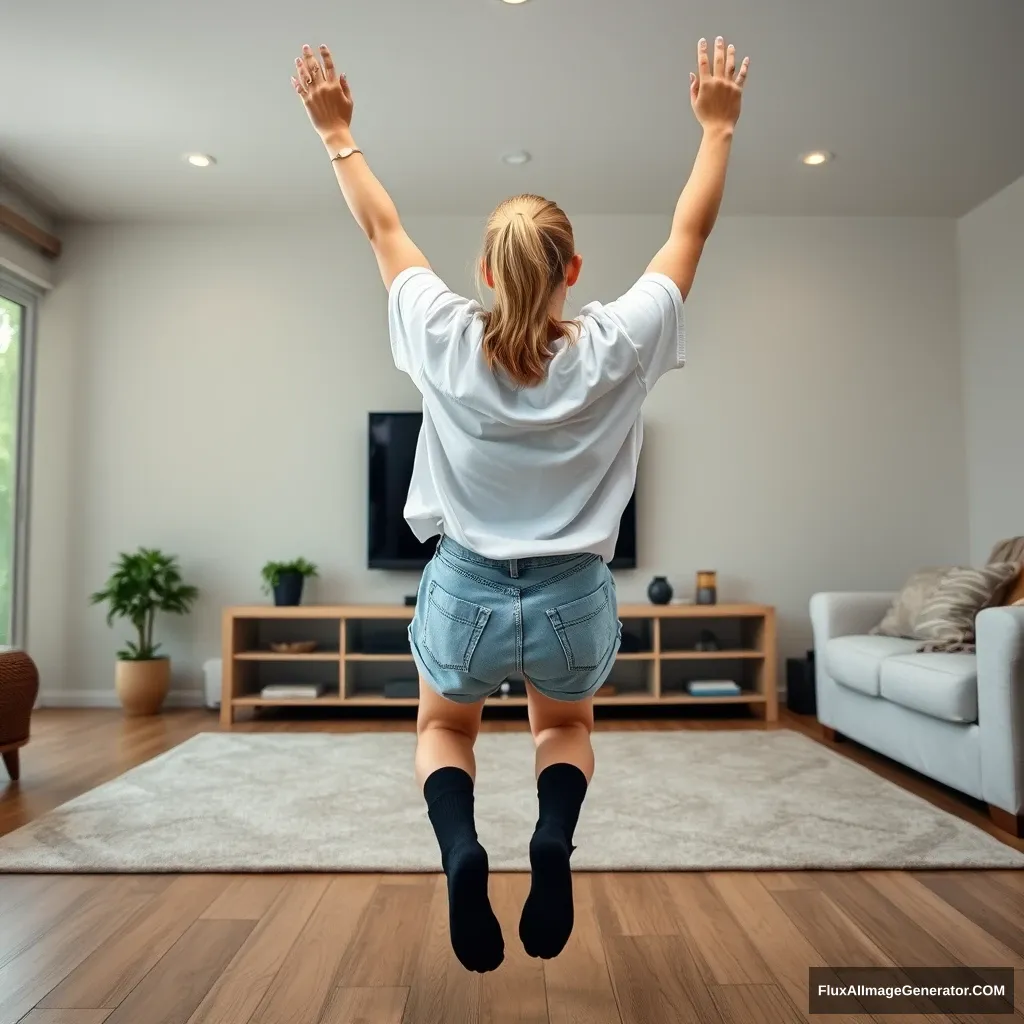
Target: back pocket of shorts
(452,628)
(586,628)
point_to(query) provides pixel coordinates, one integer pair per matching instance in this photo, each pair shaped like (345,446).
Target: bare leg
(561,730)
(445,768)
(565,763)
(445,732)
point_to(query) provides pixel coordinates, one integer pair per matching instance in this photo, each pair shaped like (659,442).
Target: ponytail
(527,249)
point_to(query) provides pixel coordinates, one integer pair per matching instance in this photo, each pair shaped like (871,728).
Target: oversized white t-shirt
(514,472)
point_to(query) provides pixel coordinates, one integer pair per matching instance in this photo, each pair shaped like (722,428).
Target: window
(17,319)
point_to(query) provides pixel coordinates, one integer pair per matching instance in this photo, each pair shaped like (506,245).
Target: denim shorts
(479,621)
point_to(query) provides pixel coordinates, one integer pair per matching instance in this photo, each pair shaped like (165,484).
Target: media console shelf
(363,649)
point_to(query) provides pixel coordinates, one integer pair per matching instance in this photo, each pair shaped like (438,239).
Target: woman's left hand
(324,93)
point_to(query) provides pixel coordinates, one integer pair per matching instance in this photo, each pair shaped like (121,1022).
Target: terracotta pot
(142,685)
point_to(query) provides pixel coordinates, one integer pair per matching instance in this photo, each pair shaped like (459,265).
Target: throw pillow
(947,619)
(905,610)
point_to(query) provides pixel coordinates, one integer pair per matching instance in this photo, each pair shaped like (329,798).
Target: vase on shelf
(707,587)
(659,591)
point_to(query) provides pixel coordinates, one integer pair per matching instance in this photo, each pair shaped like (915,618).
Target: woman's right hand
(716,91)
(324,93)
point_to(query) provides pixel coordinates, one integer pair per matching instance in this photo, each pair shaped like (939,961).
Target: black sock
(547,918)
(475,932)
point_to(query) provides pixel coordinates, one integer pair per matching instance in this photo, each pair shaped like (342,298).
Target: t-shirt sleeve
(651,317)
(422,316)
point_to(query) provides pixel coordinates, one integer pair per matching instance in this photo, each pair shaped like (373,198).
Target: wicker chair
(19,685)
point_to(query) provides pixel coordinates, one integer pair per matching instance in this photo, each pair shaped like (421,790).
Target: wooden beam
(24,230)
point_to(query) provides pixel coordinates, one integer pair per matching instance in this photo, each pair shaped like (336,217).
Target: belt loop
(513,568)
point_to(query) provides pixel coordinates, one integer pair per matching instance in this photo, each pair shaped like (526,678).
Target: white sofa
(957,718)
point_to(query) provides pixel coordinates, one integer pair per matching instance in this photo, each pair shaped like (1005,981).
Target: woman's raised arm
(328,102)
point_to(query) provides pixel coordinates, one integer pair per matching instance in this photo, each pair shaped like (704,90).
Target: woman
(525,463)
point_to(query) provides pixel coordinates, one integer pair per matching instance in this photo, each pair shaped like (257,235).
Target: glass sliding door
(17,313)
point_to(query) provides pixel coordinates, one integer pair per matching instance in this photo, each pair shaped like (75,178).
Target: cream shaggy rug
(660,801)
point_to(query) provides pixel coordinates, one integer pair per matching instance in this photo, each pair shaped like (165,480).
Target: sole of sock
(548,914)
(475,932)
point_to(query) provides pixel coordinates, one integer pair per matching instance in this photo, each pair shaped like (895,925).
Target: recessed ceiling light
(200,160)
(515,1)
(817,158)
(520,157)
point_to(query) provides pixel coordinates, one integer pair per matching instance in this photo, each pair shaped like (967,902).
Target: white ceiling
(921,100)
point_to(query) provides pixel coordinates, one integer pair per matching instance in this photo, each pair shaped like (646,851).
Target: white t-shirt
(515,472)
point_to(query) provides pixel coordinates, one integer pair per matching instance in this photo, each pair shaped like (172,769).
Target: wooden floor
(294,949)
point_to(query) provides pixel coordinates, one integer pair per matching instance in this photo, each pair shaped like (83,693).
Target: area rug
(660,801)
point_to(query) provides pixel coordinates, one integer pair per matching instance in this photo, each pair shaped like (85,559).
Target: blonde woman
(526,460)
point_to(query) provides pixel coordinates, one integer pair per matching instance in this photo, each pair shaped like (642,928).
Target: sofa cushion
(939,685)
(856,661)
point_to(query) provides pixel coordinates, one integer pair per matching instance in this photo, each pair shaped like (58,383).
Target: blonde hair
(528,247)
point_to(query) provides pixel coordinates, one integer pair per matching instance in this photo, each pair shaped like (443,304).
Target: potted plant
(285,579)
(142,584)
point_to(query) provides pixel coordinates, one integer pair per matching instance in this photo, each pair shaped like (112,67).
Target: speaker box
(801,697)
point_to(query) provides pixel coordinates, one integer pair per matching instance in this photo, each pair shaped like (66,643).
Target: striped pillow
(946,619)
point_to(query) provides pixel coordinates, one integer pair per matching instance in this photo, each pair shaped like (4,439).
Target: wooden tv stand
(361,647)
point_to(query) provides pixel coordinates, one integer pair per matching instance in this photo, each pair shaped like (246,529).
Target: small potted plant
(285,580)
(142,584)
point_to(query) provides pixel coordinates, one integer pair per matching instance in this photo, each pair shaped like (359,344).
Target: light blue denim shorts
(479,621)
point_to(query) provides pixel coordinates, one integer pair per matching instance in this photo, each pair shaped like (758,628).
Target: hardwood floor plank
(385,947)
(656,979)
(780,943)
(841,943)
(964,938)
(579,988)
(635,903)
(25,923)
(16,890)
(239,990)
(66,1017)
(366,1006)
(106,977)
(776,881)
(172,990)
(32,974)
(752,1004)
(442,991)
(999,912)
(900,937)
(715,937)
(514,993)
(246,898)
(300,988)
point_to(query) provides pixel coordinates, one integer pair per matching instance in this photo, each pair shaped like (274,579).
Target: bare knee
(562,731)
(457,725)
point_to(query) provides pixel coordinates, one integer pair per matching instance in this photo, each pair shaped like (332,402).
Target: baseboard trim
(108,699)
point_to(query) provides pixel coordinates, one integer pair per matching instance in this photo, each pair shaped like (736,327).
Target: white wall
(990,248)
(209,388)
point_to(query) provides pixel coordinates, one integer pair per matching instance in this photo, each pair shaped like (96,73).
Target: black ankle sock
(475,932)
(547,918)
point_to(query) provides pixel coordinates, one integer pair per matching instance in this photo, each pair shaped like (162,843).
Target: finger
(741,75)
(302,73)
(313,68)
(719,57)
(703,66)
(730,61)
(330,74)
(694,86)
(299,87)
(343,82)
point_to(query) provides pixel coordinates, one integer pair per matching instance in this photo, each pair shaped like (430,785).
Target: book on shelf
(713,688)
(292,691)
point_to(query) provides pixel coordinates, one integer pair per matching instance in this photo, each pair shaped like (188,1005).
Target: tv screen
(392,545)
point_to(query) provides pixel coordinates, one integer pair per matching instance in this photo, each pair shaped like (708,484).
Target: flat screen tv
(392,545)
